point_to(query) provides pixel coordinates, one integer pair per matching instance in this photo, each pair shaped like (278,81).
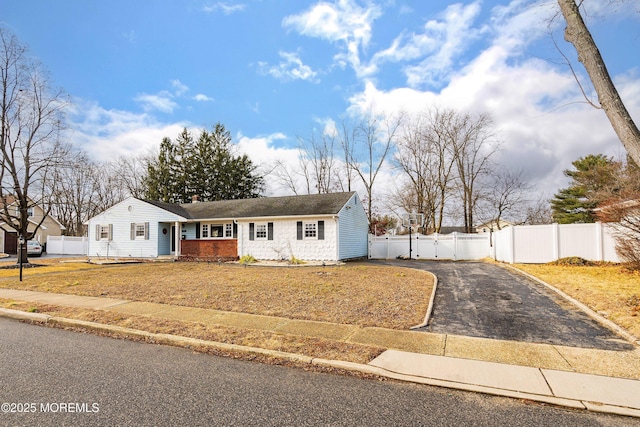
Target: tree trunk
(579,36)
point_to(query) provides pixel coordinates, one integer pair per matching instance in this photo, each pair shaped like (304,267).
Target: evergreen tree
(206,167)
(595,178)
(158,181)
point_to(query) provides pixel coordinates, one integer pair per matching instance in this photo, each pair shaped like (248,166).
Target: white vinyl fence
(65,245)
(454,246)
(532,244)
(545,243)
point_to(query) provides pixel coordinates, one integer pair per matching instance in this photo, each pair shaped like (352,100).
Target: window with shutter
(104,232)
(310,230)
(261,231)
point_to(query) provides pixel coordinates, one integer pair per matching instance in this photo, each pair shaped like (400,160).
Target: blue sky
(275,70)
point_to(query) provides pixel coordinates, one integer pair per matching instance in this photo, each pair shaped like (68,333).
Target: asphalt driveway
(489,301)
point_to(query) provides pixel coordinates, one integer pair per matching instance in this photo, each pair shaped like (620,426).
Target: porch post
(178,234)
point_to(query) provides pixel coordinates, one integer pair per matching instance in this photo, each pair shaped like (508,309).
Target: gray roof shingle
(170,207)
(306,205)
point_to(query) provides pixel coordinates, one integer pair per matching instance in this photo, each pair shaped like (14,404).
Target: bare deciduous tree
(131,172)
(316,168)
(589,55)
(32,119)
(424,157)
(319,154)
(472,143)
(374,138)
(72,190)
(508,196)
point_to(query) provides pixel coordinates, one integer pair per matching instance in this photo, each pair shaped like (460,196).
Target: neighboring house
(493,225)
(451,229)
(9,237)
(327,227)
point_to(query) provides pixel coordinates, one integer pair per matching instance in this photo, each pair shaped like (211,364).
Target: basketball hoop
(413,220)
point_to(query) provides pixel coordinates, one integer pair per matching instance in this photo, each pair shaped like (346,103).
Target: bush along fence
(528,244)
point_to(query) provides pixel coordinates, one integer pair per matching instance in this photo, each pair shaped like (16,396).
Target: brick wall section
(209,250)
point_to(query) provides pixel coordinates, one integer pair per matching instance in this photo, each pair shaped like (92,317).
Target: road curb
(427,317)
(194,343)
(23,315)
(588,311)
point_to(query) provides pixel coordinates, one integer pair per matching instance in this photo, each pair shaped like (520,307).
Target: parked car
(34,248)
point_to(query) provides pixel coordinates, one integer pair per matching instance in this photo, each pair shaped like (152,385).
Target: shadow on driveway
(478,299)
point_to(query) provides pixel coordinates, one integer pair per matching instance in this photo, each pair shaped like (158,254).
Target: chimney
(195,198)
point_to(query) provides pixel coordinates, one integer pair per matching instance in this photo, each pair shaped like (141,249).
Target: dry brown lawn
(608,289)
(358,293)
(313,347)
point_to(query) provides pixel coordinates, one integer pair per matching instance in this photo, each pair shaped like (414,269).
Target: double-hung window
(104,232)
(310,230)
(261,231)
(140,231)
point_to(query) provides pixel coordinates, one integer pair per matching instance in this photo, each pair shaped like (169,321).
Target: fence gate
(454,246)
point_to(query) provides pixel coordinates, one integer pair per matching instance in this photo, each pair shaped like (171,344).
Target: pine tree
(595,178)
(158,181)
(206,167)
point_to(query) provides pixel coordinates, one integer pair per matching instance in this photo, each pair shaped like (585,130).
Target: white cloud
(291,68)
(343,22)
(537,108)
(179,87)
(108,134)
(225,8)
(262,150)
(161,101)
(450,37)
(201,97)
(329,127)
(164,100)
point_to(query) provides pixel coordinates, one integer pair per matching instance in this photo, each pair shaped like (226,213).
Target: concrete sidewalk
(598,380)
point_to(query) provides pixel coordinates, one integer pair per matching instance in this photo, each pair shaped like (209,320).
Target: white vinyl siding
(119,219)
(353,230)
(139,231)
(104,232)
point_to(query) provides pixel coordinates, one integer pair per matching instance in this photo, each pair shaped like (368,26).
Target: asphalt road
(44,372)
(478,299)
